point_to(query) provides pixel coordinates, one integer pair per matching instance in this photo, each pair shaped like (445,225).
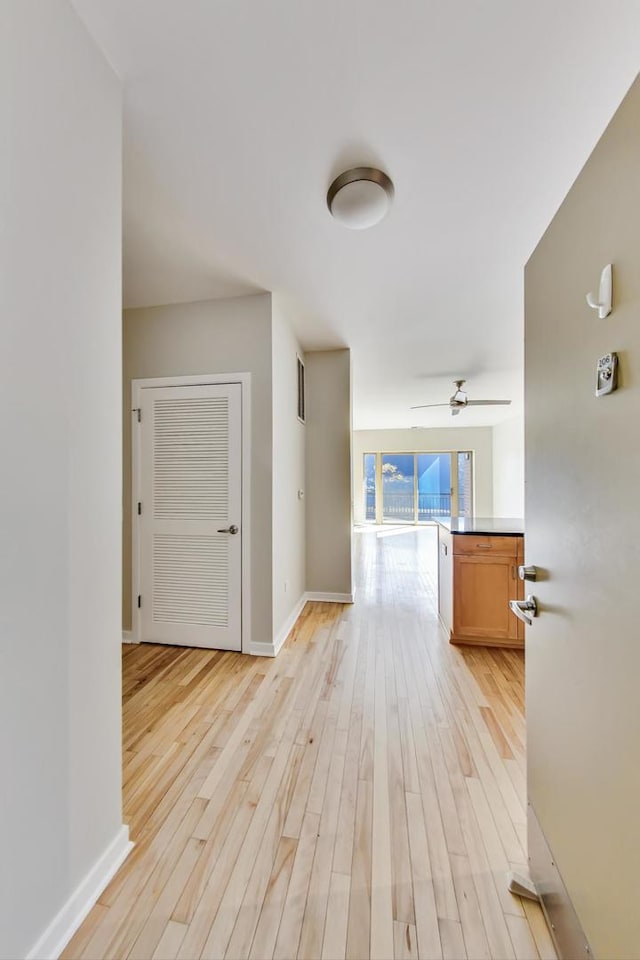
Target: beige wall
(60,297)
(214,336)
(288,478)
(508,468)
(583,529)
(328,469)
(477,439)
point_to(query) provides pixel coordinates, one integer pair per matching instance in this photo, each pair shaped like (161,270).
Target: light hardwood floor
(362,795)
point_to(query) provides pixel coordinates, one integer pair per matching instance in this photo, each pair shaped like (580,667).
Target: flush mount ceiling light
(359,198)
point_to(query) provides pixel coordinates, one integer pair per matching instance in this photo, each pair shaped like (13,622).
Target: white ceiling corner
(239,114)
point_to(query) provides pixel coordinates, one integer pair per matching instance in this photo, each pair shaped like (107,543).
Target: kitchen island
(478,559)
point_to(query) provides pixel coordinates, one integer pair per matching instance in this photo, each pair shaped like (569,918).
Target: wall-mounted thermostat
(607,374)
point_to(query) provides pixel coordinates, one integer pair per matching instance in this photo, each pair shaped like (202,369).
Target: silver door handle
(233,529)
(525,610)
(528,572)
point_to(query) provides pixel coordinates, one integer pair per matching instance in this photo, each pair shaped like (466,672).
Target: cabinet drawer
(480,544)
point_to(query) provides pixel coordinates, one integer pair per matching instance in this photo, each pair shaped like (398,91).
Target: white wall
(61,464)
(328,469)
(211,336)
(289,436)
(477,439)
(508,468)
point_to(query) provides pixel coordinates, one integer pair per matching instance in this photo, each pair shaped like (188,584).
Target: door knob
(528,573)
(525,610)
(233,529)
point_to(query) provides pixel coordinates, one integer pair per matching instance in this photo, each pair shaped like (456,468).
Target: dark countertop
(509,527)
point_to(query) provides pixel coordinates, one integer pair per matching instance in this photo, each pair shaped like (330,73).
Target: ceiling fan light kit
(359,198)
(460,399)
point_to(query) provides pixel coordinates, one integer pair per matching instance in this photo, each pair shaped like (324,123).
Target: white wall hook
(605,293)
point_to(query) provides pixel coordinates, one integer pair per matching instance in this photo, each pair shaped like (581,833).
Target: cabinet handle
(484,546)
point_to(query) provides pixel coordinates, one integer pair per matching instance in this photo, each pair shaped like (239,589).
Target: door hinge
(138,413)
(139,508)
(139,601)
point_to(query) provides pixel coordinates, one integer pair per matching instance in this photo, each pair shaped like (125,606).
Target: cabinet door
(518,586)
(482,588)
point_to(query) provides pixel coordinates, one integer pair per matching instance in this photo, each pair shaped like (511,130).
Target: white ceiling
(239,113)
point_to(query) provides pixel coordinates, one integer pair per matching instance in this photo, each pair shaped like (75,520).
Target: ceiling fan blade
(423,406)
(488,403)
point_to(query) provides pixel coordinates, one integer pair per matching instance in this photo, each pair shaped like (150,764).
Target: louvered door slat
(191,466)
(191,483)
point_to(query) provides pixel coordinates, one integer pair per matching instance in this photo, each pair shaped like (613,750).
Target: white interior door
(583,534)
(190,515)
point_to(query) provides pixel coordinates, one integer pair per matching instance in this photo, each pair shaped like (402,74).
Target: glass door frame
(454,492)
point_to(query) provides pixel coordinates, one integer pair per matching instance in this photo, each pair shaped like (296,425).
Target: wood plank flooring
(362,795)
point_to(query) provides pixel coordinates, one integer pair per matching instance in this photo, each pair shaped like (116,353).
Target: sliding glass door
(398,487)
(434,485)
(370,486)
(417,487)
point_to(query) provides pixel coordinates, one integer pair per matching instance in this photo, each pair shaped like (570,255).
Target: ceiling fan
(460,400)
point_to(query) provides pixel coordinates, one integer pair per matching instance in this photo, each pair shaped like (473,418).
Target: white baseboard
(272,649)
(262,650)
(330,597)
(289,623)
(66,922)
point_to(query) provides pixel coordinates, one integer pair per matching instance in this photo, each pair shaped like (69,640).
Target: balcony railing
(433,505)
(370,513)
(401,506)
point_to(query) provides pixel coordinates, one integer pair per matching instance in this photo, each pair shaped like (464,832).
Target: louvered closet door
(191,491)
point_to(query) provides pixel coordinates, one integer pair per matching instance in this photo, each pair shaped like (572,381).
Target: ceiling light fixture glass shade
(360,198)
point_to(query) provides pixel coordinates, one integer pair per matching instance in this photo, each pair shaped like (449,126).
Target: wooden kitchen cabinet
(478,577)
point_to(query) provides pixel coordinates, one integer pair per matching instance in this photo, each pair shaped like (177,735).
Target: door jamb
(137,386)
